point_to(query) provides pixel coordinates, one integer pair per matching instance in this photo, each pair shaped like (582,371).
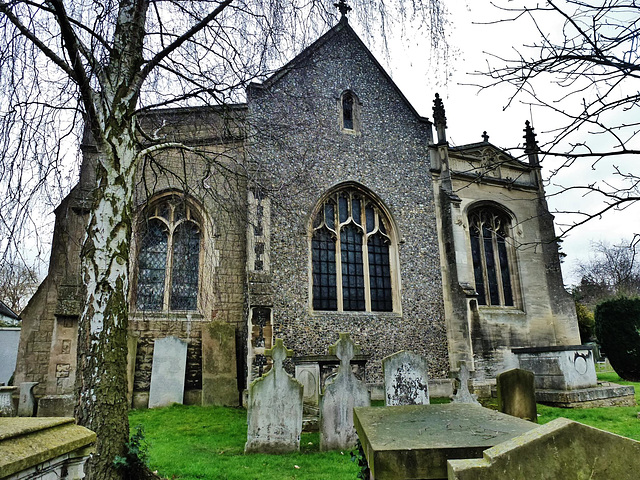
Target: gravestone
(309,375)
(7,408)
(337,429)
(516,394)
(463,395)
(219,369)
(274,408)
(167,372)
(27,403)
(44,449)
(561,449)
(405,379)
(415,441)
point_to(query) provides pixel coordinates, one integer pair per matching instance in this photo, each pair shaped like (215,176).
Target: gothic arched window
(168,256)
(350,255)
(349,112)
(492,253)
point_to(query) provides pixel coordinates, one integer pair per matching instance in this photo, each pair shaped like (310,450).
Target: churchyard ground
(189,443)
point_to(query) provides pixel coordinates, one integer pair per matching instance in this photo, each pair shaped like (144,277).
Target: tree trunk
(102,341)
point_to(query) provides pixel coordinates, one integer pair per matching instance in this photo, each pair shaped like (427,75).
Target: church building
(323,204)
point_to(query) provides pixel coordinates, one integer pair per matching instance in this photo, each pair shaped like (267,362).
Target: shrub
(618,331)
(133,465)
(586,322)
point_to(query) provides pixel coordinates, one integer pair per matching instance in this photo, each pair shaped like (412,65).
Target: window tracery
(169,257)
(350,250)
(492,253)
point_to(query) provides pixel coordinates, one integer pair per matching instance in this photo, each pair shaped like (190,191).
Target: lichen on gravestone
(463,395)
(337,429)
(274,409)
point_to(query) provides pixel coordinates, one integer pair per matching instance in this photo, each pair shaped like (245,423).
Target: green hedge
(618,330)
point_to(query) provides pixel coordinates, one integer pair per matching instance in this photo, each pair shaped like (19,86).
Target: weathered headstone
(6,402)
(463,395)
(337,430)
(219,369)
(516,394)
(44,449)
(167,372)
(405,379)
(561,448)
(274,409)
(27,403)
(415,441)
(309,375)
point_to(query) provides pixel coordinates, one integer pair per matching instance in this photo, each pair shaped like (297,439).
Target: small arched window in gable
(351,255)
(169,256)
(349,112)
(492,253)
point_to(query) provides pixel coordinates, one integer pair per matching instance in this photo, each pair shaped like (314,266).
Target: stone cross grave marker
(167,372)
(516,394)
(274,410)
(463,395)
(337,430)
(405,379)
(27,403)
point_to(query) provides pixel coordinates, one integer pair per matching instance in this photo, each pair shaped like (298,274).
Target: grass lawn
(188,442)
(621,420)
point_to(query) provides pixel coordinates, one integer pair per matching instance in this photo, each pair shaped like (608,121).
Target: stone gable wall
(301,152)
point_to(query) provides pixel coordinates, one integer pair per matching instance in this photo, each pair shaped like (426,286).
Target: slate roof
(7,312)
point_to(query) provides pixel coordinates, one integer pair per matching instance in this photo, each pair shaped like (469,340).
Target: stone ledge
(605,394)
(26,442)
(559,348)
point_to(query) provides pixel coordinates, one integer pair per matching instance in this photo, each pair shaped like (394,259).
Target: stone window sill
(177,315)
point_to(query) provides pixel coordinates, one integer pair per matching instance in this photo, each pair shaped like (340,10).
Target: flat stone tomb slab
(415,441)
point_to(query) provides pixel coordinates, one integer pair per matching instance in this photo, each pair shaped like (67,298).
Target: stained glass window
(324,271)
(152,265)
(184,276)
(380,274)
(490,251)
(350,251)
(352,268)
(169,257)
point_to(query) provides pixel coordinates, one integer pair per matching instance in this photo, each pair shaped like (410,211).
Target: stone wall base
(604,395)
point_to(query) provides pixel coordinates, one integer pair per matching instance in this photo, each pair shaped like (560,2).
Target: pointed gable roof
(485,161)
(7,312)
(473,151)
(342,25)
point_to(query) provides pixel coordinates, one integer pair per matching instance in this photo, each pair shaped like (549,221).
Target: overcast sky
(420,75)
(470,112)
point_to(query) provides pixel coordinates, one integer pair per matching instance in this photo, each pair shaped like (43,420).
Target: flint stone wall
(389,157)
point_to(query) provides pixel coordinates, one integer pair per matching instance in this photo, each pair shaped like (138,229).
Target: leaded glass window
(347,111)
(169,257)
(491,251)
(350,255)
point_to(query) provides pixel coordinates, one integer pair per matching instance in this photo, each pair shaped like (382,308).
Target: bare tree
(103,62)
(612,270)
(17,283)
(583,69)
